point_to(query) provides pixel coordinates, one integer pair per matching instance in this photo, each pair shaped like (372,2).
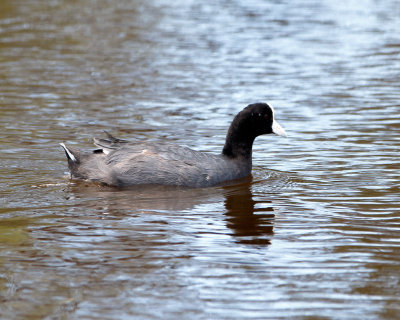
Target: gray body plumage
(127,164)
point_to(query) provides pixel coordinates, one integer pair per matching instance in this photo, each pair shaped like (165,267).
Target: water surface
(312,235)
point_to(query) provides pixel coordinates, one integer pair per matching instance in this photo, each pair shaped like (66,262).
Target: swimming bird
(121,163)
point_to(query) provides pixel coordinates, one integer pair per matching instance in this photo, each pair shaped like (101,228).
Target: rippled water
(313,235)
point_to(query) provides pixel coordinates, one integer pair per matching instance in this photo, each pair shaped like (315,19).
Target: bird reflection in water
(250,220)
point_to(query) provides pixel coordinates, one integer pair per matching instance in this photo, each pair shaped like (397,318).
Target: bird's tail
(74,160)
(71,154)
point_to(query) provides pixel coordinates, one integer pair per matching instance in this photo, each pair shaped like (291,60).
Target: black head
(254,120)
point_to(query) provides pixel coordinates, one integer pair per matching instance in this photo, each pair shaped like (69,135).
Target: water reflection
(250,220)
(121,202)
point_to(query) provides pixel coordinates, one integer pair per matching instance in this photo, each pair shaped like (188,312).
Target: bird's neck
(238,144)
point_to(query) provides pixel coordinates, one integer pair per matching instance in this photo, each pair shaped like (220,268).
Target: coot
(121,163)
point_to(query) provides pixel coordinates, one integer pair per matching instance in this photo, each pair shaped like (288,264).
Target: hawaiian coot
(121,163)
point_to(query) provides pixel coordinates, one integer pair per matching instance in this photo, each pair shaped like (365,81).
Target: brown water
(314,235)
